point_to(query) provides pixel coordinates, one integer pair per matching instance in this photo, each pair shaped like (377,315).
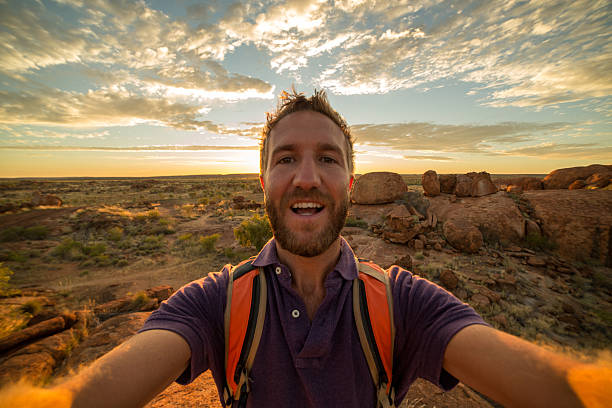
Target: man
(309,355)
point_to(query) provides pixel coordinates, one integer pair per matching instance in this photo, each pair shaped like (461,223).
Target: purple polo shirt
(318,363)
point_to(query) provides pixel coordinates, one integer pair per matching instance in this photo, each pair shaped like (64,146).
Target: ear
(351,183)
(261,182)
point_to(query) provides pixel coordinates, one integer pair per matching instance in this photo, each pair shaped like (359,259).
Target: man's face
(306,182)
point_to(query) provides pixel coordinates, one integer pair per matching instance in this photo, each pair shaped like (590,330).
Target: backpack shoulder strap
(373,311)
(246,296)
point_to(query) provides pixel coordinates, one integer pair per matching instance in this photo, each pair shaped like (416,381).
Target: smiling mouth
(307,208)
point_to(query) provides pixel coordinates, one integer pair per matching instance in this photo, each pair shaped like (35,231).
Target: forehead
(305,128)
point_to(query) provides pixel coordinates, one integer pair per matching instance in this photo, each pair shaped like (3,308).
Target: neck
(309,273)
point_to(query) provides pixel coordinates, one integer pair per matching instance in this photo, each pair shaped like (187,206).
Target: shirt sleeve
(426,318)
(195,312)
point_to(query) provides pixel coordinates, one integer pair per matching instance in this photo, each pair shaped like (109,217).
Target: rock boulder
(563,178)
(463,235)
(578,221)
(497,216)
(463,188)
(378,188)
(482,185)
(447,183)
(430,183)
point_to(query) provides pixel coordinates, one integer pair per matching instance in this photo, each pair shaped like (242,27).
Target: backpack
(247,296)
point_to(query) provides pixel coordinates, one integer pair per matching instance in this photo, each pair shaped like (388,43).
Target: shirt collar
(346,266)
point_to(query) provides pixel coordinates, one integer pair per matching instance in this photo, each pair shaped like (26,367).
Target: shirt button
(278,270)
(295,313)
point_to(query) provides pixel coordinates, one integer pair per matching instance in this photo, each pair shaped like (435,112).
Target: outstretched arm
(513,371)
(128,376)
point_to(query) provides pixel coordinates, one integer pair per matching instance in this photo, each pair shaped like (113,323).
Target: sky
(153,88)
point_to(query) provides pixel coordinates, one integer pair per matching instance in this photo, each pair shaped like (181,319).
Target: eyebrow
(320,146)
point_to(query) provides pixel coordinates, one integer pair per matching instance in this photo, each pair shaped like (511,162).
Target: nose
(307,174)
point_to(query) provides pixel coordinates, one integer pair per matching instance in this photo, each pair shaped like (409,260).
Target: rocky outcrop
(463,188)
(447,183)
(378,188)
(518,184)
(430,183)
(563,178)
(578,221)
(481,184)
(49,200)
(497,216)
(372,214)
(241,203)
(401,225)
(463,235)
(36,331)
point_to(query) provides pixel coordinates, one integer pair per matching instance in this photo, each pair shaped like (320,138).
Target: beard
(320,241)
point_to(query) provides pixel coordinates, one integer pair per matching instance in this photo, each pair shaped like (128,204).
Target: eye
(328,160)
(285,160)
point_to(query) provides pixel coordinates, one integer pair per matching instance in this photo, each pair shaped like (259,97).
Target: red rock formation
(578,221)
(463,235)
(378,188)
(563,178)
(447,183)
(430,183)
(496,215)
(463,188)
(482,185)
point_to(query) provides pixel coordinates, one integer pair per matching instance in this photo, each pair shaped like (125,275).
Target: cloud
(564,150)
(130,149)
(424,136)
(527,54)
(136,43)
(435,158)
(103,107)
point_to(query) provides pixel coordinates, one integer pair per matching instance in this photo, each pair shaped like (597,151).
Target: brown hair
(294,102)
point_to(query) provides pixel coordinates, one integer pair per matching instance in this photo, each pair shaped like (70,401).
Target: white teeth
(306,205)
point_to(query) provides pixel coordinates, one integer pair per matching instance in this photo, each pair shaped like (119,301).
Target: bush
(36,233)
(255,231)
(69,249)
(353,222)
(12,234)
(208,242)
(32,307)
(5,277)
(539,242)
(140,299)
(115,234)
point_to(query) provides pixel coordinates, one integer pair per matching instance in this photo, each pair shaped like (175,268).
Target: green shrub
(255,231)
(151,243)
(185,237)
(208,242)
(95,249)
(32,307)
(11,234)
(539,242)
(115,234)
(140,299)
(5,277)
(37,232)
(69,249)
(353,222)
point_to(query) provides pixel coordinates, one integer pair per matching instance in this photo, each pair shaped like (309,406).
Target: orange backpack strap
(246,296)
(373,311)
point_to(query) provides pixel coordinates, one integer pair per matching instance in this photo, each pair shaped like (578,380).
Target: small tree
(255,231)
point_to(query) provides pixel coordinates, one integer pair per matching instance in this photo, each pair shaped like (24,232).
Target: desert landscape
(86,260)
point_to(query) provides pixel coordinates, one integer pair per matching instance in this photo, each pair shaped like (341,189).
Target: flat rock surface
(579,221)
(496,215)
